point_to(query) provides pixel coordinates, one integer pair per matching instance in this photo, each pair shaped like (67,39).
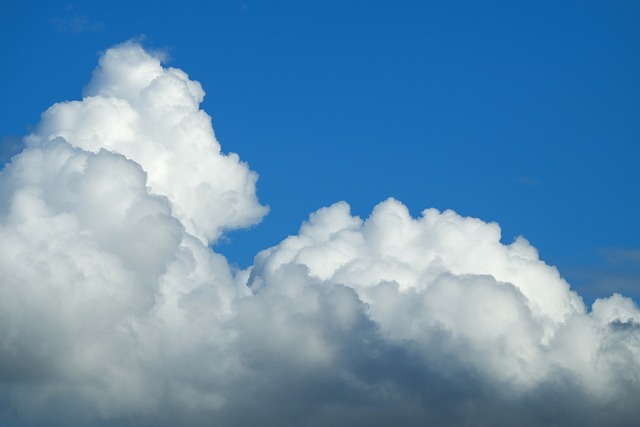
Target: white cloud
(150,114)
(497,309)
(114,311)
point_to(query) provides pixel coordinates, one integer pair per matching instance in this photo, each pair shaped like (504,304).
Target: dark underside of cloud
(115,311)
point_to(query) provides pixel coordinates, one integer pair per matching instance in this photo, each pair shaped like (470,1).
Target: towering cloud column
(150,114)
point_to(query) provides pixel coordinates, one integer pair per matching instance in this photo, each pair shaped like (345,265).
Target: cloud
(114,310)
(77,23)
(622,256)
(526,181)
(10,145)
(150,114)
(619,270)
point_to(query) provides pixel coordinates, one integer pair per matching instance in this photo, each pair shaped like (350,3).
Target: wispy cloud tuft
(76,23)
(10,145)
(622,256)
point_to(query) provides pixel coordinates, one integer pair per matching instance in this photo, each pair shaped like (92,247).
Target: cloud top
(114,310)
(150,114)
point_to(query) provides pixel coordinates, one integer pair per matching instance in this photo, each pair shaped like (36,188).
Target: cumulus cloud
(114,310)
(150,114)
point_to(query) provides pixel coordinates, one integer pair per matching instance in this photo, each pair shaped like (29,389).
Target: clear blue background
(524,113)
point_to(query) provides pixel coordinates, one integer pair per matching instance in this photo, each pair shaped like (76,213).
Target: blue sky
(122,304)
(523,113)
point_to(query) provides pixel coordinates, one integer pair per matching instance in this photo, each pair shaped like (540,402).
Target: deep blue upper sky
(524,113)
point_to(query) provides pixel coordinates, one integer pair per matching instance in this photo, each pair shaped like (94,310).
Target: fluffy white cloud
(497,309)
(114,311)
(150,114)
(102,288)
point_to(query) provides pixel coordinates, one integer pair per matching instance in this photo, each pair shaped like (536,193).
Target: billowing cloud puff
(115,312)
(497,309)
(150,114)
